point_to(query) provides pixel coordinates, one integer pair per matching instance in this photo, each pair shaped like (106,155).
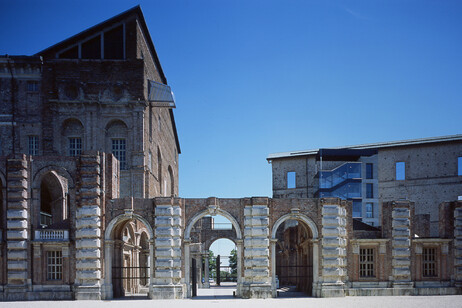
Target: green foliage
(233,262)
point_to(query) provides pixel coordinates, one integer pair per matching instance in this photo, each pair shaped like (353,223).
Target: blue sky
(257,77)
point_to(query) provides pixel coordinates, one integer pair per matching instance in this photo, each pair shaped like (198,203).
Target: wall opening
(131,260)
(212,236)
(53,204)
(294,259)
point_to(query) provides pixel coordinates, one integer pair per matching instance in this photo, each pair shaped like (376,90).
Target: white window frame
(54,265)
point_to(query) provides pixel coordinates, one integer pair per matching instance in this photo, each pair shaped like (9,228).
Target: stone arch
(72,132)
(52,186)
(218,211)
(238,240)
(111,234)
(307,223)
(295,216)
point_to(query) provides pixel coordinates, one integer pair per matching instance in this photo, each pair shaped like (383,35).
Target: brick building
(426,171)
(90,207)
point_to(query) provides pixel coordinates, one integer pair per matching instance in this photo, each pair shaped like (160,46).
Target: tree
(212,264)
(233,262)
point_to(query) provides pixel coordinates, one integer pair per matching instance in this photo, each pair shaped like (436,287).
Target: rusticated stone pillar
(167,250)
(17,226)
(88,229)
(401,244)
(256,281)
(458,244)
(333,248)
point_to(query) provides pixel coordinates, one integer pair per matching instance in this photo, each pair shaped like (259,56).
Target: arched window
(171,181)
(159,172)
(72,131)
(53,207)
(116,141)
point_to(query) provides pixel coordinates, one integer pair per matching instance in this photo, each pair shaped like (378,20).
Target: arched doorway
(294,256)
(128,258)
(53,203)
(201,231)
(223,264)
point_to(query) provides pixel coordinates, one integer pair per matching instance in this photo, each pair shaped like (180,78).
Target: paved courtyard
(222,297)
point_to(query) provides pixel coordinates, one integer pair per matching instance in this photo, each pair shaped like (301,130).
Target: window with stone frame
(33,145)
(119,151)
(366,262)
(429,265)
(75,146)
(54,265)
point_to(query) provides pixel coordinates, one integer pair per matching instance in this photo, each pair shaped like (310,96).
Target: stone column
(88,232)
(206,270)
(458,245)
(17,234)
(333,248)
(107,292)
(256,281)
(401,246)
(167,233)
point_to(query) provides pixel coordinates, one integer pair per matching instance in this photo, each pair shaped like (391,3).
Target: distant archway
(191,250)
(294,250)
(128,257)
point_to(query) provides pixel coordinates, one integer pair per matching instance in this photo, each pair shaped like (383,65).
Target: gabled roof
(99,27)
(371,146)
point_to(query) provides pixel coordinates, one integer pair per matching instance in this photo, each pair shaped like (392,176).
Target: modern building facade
(426,171)
(90,207)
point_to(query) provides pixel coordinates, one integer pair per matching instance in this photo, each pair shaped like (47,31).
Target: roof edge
(378,145)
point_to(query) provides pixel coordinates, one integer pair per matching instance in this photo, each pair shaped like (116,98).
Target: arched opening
(223,266)
(294,259)
(72,131)
(206,237)
(53,203)
(128,258)
(116,142)
(171,184)
(294,262)
(159,173)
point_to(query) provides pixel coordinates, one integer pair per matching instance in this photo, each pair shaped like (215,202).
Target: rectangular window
(366,262)
(32,86)
(54,265)
(429,262)
(400,171)
(291,179)
(369,190)
(459,166)
(369,171)
(33,145)
(75,146)
(357,209)
(369,210)
(119,151)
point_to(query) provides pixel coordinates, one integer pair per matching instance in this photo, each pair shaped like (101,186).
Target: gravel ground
(208,301)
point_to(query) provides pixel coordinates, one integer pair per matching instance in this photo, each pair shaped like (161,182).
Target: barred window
(119,151)
(54,265)
(75,146)
(366,262)
(33,145)
(429,262)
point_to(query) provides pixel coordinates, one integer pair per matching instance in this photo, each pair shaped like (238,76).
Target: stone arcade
(90,207)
